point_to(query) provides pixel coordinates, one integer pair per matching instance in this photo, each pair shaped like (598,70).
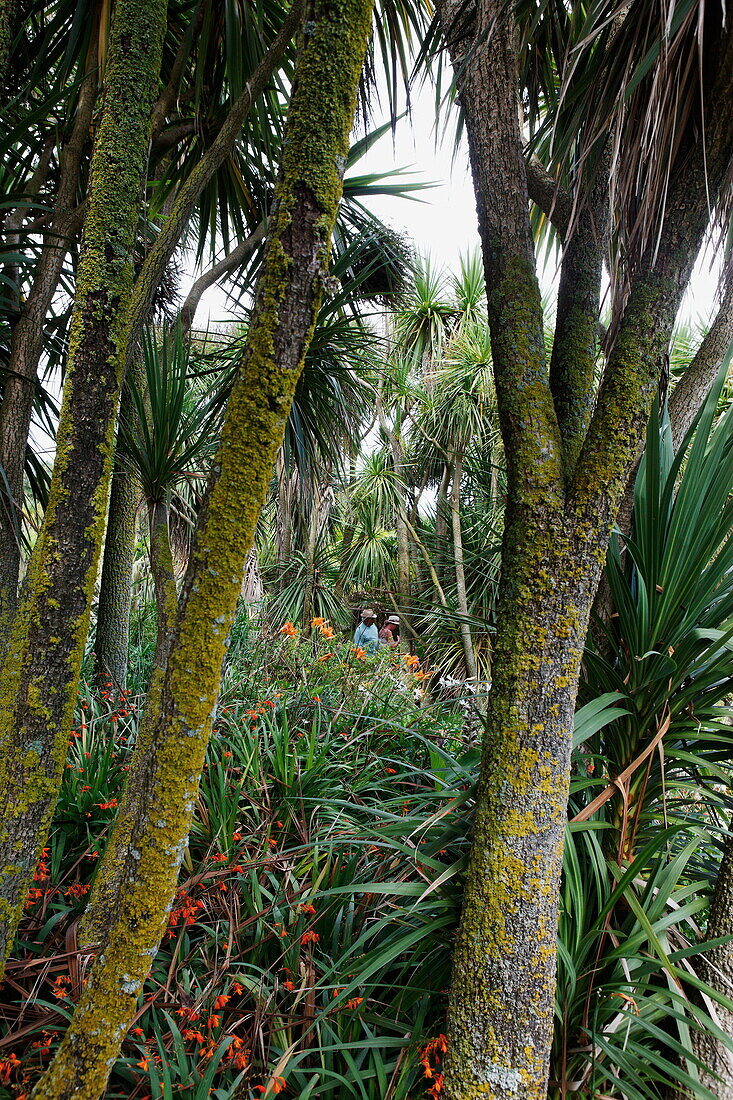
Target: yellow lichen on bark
(314,154)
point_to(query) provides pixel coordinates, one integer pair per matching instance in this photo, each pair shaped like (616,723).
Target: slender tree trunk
(461,598)
(288,296)
(115,587)
(441,523)
(164,580)
(27,345)
(40,675)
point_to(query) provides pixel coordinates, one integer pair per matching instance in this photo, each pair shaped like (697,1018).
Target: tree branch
(554,201)
(694,385)
(234,259)
(575,343)
(636,358)
(170,234)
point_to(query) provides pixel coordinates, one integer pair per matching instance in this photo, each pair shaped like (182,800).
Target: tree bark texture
(164,580)
(557,523)
(288,295)
(39,678)
(112,637)
(27,344)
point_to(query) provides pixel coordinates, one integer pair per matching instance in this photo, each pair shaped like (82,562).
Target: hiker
(389,635)
(366,635)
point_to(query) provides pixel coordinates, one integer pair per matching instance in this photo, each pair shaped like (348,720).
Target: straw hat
(367,613)
(394,619)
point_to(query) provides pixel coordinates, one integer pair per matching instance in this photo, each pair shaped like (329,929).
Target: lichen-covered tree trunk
(112,637)
(314,155)
(558,518)
(109,880)
(39,678)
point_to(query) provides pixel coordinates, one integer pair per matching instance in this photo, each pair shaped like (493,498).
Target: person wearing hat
(366,635)
(390,632)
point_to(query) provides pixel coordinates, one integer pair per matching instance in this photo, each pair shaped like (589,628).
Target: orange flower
(359,653)
(391,771)
(325,656)
(143,1063)
(7,1065)
(137,1032)
(76,890)
(411,660)
(354,1002)
(108,805)
(213,1021)
(289,630)
(237,988)
(327,632)
(221,1002)
(289,986)
(309,937)
(188,1012)
(318,621)
(275,1084)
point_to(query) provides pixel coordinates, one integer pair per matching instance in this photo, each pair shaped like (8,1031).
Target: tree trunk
(441,524)
(39,679)
(314,153)
(27,345)
(557,526)
(164,580)
(8,15)
(461,598)
(115,587)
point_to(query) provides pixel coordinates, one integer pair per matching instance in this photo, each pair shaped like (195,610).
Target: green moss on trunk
(39,678)
(314,153)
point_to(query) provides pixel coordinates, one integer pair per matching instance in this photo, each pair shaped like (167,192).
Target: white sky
(443,221)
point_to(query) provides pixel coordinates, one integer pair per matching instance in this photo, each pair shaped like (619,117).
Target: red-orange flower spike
(221,1002)
(289,630)
(309,937)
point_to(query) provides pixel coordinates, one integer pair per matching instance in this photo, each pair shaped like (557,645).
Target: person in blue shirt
(366,635)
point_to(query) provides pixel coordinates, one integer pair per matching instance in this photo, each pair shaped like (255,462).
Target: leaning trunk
(40,675)
(288,296)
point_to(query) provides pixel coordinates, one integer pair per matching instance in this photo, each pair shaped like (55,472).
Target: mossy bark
(314,155)
(39,678)
(559,513)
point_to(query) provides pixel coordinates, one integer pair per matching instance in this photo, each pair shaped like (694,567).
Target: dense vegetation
(239,854)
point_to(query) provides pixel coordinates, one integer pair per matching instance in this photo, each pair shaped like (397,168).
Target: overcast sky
(443,221)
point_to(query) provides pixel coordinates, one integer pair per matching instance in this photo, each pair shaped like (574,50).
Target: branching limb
(170,235)
(230,262)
